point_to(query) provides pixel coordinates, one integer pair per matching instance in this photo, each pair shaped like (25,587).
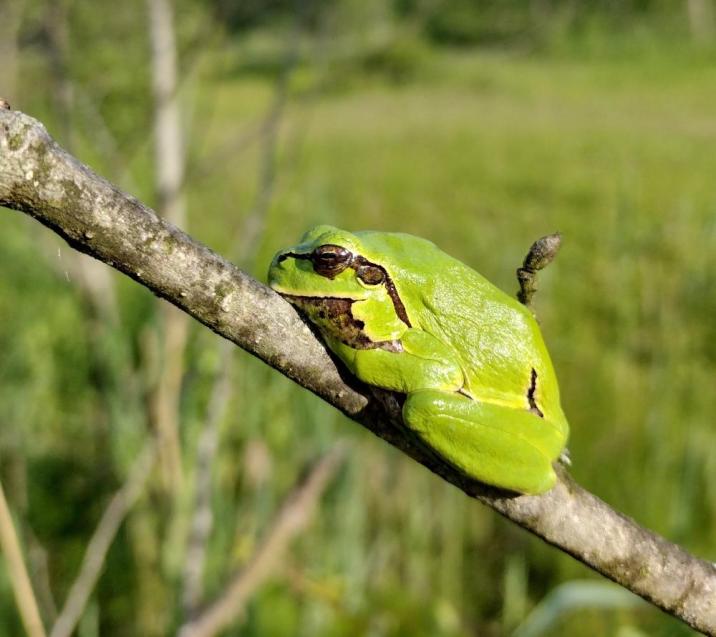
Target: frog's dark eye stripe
(330,260)
(371,274)
(294,255)
(397,303)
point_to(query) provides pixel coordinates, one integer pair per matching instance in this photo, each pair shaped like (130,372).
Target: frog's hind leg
(505,447)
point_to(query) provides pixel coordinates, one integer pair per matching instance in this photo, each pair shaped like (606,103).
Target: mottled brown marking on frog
(334,317)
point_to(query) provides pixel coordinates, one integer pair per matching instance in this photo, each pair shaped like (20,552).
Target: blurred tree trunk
(95,281)
(11,12)
(701,19)
(169,178)
(151,526)
(58,38)
(540,9)
(151,598)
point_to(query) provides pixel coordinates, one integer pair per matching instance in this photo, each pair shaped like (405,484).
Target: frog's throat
(356,262)
(333,316)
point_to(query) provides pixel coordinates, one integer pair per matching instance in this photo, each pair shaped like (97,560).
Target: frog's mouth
(333,316)
(323,306)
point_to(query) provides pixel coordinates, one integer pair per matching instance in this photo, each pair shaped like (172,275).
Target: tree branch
(39,178)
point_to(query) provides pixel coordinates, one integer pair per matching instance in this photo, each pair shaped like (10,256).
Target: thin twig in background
(170,164)
(292,517)
(202,516)
(17,572)
(11,15)
(246,243)
(102,538)
(244,248)
(56,27)
(95,283)
(15,481)
(39,562)
(103,139)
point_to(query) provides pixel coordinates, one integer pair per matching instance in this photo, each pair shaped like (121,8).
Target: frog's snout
(276,269)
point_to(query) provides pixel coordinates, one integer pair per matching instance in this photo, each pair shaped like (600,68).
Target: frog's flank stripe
(531,395)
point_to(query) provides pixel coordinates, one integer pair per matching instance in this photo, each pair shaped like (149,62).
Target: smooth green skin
(466,361)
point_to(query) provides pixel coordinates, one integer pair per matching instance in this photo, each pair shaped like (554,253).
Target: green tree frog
(479,386)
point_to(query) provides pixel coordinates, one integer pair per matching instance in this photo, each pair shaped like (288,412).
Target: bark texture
(38,178)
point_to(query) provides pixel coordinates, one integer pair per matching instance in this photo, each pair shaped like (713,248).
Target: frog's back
(496,338)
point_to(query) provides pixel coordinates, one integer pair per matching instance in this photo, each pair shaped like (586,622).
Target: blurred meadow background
(479,124)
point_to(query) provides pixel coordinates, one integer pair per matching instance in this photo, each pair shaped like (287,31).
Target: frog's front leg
(422,362)
(505,447)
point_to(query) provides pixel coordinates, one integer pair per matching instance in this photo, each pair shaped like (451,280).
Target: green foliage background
(480,125)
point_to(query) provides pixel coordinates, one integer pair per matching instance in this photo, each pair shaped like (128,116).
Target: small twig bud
(540,255)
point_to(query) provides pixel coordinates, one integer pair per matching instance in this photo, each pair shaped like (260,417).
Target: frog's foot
(505,447)
(565,458)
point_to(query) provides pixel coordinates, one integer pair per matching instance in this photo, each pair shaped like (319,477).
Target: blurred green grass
(482,152)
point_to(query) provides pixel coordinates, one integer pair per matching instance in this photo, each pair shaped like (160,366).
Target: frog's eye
(371,274)
(330,260)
